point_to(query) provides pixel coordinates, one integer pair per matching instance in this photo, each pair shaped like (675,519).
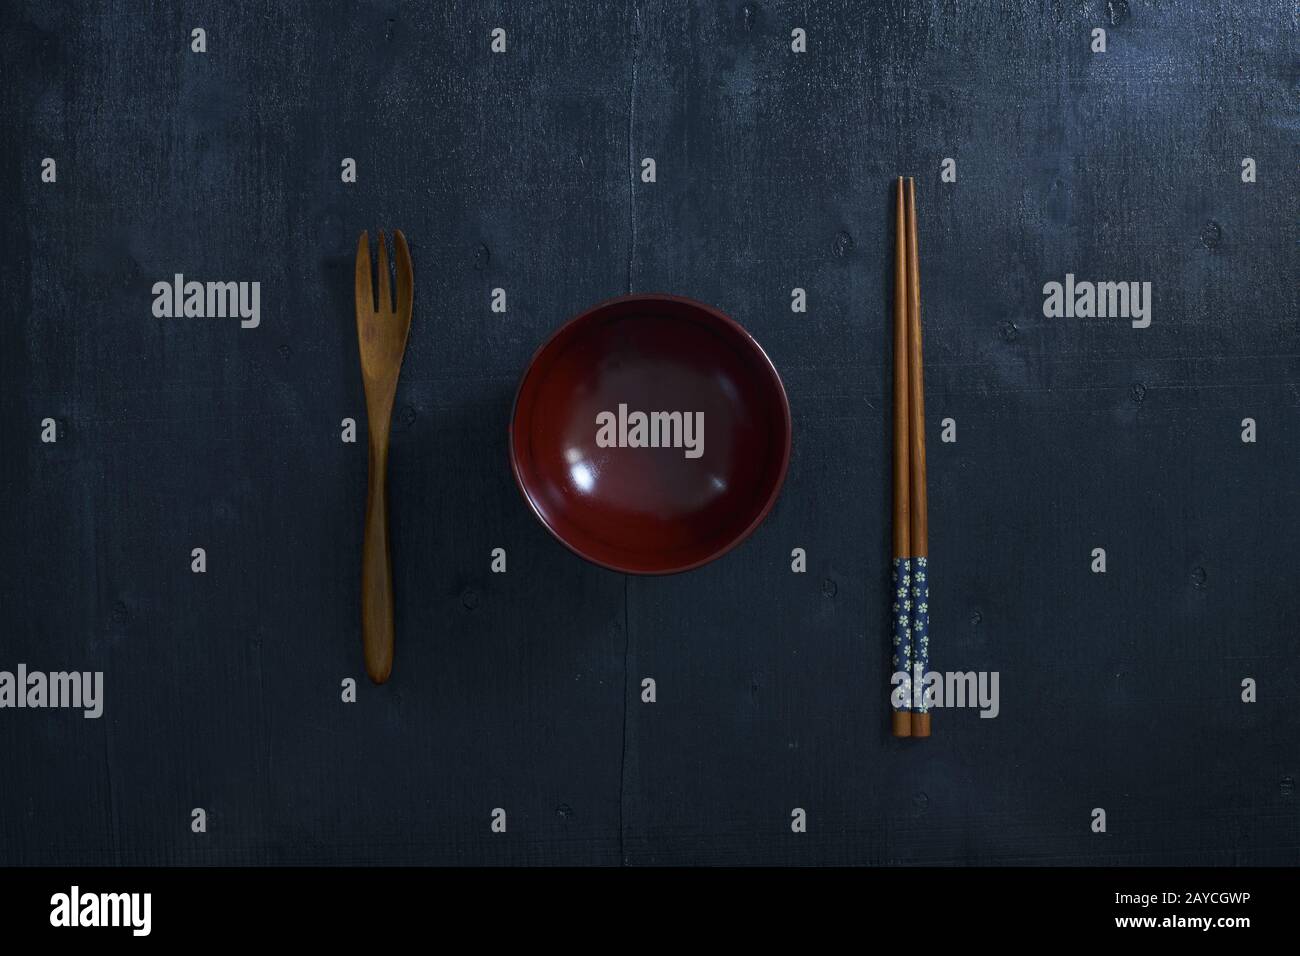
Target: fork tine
(385,295)
(405,282)
(365,297)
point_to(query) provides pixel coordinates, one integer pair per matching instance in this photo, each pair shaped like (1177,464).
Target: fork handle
(377,574)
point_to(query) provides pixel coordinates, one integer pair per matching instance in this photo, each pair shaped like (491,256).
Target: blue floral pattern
(901,653)
(920,595)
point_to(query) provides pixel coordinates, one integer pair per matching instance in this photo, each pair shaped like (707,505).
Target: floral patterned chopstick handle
(902,637)
(919,594)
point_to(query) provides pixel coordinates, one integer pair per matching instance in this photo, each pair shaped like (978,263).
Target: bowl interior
(651,434)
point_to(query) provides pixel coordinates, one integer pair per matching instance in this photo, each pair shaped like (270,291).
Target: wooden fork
(381,340)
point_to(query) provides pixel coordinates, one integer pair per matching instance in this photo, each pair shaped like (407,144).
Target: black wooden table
(522,691)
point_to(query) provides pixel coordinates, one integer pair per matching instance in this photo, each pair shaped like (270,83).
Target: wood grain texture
(522,691)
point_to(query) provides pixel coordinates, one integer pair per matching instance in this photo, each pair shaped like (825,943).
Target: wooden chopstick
(919,593)
(901,652)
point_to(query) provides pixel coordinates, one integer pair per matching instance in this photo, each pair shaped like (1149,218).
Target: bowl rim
(787,426)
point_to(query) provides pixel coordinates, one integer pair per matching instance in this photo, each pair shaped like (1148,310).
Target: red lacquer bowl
(651,434)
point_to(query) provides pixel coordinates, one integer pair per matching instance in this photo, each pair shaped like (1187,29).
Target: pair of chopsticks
(911,573)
